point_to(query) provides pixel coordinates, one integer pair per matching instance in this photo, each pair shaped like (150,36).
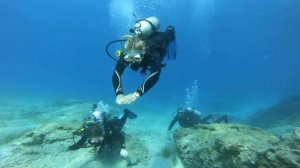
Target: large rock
(47,147)
(287,111)
(19,117)
(240,146)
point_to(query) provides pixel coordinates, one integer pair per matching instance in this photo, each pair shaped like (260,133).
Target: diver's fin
(129,114)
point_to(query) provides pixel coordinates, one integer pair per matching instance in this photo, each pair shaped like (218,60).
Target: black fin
(130,114)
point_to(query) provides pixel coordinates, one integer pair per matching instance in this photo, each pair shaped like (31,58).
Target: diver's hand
(123,152)
(127,99)
(120,99)
(130,98)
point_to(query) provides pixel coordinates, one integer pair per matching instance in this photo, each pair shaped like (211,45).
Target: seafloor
(35,132)
(23,119)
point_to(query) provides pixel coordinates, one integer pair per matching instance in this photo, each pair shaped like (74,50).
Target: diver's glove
(130,98)
(120,99)
(123,152)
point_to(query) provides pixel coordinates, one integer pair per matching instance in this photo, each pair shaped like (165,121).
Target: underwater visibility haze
(239,58)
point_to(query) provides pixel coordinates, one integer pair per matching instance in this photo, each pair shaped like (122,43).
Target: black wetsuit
(152,60)
(189,118)
(185,118)
(113,132)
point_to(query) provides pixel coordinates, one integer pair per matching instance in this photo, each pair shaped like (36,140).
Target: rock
(137,157)
(287,111)
(30,134)
(67,102)
(48,134)
(47,147)
(231,145)
(35,140)
(133,145)
(292,139)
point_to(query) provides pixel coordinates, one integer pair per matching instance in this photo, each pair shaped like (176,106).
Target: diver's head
(97,115)
(146,27)
(180,110)
(100,111)
(190,109)
(100,116)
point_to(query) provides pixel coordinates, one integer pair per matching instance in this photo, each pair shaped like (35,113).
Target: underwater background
(242,53)
(242,57)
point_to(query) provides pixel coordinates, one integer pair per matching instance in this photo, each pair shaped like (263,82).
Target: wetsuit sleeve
(78,144)
(173,122)
(122,140)
(150,81)
(116,79)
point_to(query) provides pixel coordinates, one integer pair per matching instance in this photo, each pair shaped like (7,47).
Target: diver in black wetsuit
(188,117)
(143,52)
(99,130)
(113,131)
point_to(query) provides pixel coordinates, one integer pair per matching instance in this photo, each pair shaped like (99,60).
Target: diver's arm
(173,123)
(150,81)
(116,79)
(122,140)
(78,144)
(123,151)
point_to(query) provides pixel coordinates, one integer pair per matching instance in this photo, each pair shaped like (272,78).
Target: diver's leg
(127,114)
(223,118)
(121,138)
(130,114)
(205,119)
(122,121)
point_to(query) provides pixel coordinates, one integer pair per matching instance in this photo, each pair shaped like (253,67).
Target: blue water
(244,54)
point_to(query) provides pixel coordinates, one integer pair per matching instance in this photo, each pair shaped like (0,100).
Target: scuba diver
(100,130)
(144,51)
(188,117)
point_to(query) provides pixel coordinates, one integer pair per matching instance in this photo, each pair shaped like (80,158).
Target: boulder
(232,145)
(47,147)
(286,112)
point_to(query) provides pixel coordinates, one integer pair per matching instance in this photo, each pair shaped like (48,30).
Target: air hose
(108,45)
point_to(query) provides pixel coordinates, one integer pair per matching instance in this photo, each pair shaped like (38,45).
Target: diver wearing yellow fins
(144,51)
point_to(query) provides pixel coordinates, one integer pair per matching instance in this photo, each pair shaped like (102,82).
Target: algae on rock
(232,145)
